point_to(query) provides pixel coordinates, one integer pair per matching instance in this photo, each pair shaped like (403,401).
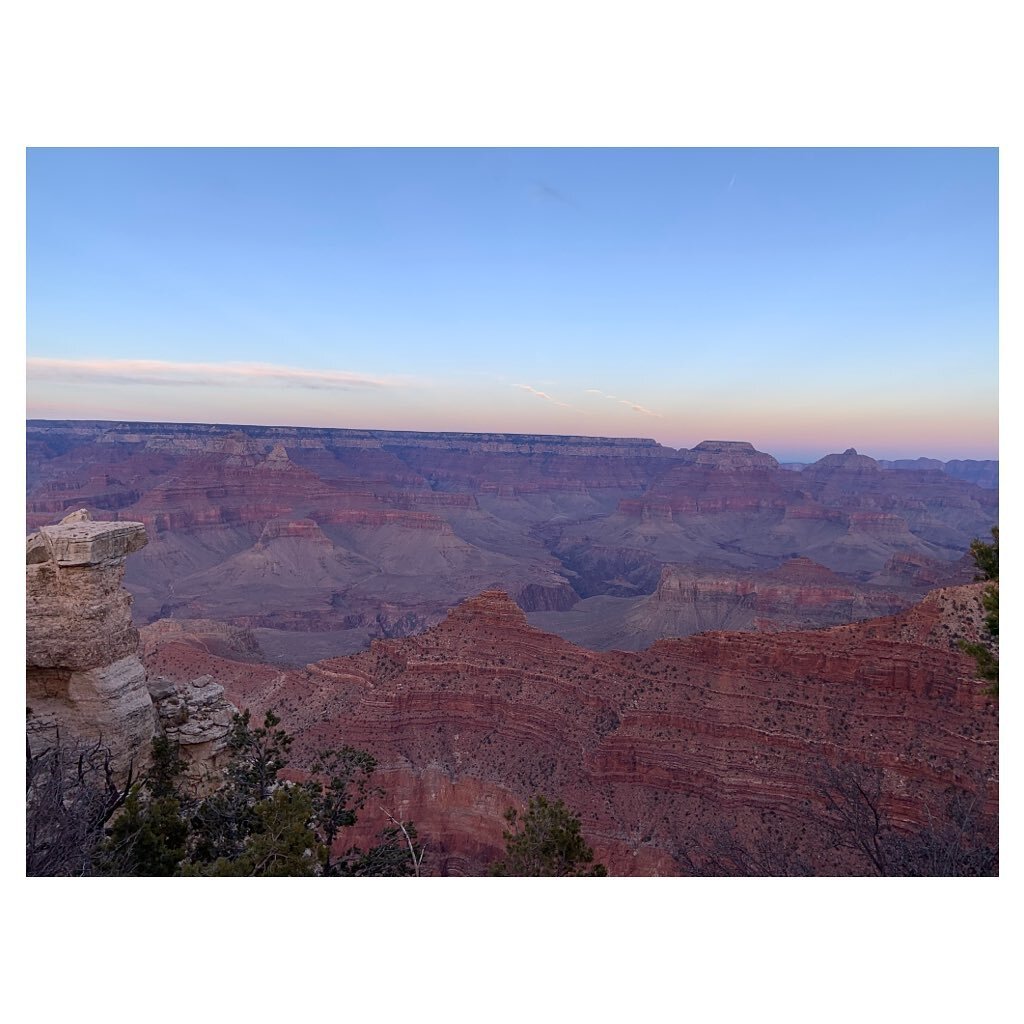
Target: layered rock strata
(84,677)
(800,594)
(83,671)
(333,537)
(655,748)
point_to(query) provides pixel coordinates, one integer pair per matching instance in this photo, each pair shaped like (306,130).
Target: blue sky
(804,300)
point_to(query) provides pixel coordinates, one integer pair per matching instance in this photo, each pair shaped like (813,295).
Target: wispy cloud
(544,395)
(639,408)
(635,406)
(170,374)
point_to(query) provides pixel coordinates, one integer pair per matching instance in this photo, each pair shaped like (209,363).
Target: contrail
(543,394)
(635,406)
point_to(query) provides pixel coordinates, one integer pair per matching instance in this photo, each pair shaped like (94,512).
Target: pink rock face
(651,748)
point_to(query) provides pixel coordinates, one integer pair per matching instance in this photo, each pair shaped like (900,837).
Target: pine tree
(147,838)
(336,801)
(259,753)
(545,842)
(283,844)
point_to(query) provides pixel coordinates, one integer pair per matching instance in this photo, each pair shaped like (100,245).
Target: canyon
(316,541)
(654,749)
(680,644)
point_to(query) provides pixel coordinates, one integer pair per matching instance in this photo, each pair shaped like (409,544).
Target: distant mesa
(849,460)
(729,455)
(912,464)
(724,446)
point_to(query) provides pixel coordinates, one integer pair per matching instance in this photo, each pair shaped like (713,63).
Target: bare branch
(416,861)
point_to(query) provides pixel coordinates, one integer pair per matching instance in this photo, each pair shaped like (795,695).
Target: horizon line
(788,460)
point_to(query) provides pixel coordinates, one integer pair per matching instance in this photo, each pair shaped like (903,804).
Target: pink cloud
(171,374)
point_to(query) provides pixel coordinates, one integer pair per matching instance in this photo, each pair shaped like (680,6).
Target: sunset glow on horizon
(806,301)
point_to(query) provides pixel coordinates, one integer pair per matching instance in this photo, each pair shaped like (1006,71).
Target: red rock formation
(652,748)
(366,517)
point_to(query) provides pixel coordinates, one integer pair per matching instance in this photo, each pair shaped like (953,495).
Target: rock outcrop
(82,665)
(84,676)
(196,719)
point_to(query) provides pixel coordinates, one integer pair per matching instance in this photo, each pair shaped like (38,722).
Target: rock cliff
(84,676)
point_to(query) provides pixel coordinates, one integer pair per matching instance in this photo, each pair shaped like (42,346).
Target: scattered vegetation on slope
(256,824)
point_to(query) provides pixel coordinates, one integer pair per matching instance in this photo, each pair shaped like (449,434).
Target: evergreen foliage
(147,838)
(545,841)
(166,768)
(986,556)
(345,792)
(259,753)
(282,844)
(255,825)
(985,652)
